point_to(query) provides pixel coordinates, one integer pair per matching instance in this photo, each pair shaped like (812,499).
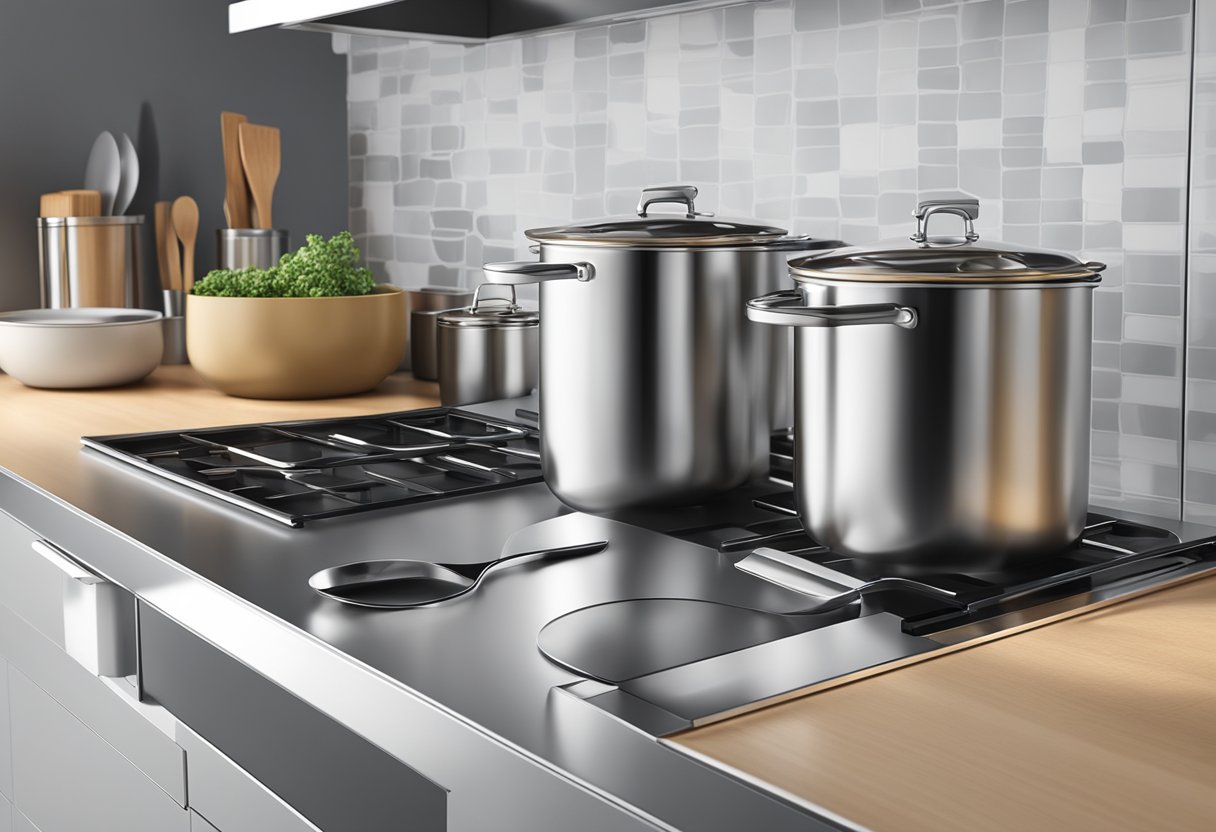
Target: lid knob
(683,194)
(967,207)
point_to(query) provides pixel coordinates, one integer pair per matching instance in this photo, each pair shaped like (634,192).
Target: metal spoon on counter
(400,584)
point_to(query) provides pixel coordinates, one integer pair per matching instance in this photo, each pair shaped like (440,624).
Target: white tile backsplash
(1070,119)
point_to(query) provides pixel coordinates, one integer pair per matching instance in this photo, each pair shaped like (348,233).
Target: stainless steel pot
(942,399)
(426,304)
(491,350)
(655,389)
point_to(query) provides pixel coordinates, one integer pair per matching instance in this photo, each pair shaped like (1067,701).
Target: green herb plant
(321,269)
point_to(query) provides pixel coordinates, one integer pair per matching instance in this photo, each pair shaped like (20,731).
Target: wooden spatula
(70,204)
(185,224)
(260,156)
(164,227)
(236,190)
(172,252)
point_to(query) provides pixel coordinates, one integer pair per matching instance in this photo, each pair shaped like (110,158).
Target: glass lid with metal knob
(648,229)
(962,259)
(491,312)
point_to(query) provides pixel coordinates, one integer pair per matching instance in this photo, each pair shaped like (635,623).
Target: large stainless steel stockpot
(942,399)
(655,388)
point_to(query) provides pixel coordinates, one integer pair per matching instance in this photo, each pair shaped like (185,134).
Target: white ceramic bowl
(72,348)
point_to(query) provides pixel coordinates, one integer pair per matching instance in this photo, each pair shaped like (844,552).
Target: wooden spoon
(236,190)
(185,224)
(261,158)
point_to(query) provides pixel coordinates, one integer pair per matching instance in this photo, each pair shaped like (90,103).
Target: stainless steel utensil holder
(175,327)
(89,261)
(242,248)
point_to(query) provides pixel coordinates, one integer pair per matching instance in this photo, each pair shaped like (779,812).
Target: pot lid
(655,230)
(501,313)
(959,259)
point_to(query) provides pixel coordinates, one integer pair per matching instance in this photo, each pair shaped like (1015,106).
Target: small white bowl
(75,348)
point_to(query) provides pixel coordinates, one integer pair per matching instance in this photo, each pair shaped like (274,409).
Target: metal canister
(89,261)
(425,305)
(489,350)
(242,248)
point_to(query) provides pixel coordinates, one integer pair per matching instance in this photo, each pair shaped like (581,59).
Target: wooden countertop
(40,430)
(1104,722)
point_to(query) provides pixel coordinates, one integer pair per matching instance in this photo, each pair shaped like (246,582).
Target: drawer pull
(64,563)
(98,616)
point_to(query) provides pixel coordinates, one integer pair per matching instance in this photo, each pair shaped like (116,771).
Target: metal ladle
(400,584)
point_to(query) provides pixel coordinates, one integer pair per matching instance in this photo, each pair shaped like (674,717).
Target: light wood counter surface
(40,430)
(1102,722)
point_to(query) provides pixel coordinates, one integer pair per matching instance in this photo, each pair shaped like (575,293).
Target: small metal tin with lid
(488,350)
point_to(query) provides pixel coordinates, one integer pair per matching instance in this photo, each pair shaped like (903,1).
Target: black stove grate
(294,472)
(1110,551)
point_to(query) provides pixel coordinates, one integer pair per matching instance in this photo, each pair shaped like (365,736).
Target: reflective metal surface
(960,437)
(488,351)
(962,442)
(425,304)
(89,261)
(519,743)
(622,640)
(400,584)
(923,258)
(242,248)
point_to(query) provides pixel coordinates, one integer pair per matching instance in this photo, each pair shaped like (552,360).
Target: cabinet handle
(62,561)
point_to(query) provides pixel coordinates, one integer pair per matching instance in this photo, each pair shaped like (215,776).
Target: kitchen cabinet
(6,741)
(67,779)
(230,797)
(86,753)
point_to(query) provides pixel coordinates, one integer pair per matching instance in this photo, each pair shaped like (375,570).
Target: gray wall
(161,71)
(1068,118)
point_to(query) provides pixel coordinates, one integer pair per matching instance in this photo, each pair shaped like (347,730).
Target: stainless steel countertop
(458,691)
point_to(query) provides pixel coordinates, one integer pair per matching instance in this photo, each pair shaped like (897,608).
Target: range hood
(450,20)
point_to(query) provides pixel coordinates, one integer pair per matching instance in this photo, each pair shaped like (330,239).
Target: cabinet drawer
(230,796)
(140,732)
(333,777)
(29,585)
(90,618)
(67,779)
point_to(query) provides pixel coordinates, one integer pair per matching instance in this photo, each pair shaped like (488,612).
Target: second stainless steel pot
(655,388)
(942,398)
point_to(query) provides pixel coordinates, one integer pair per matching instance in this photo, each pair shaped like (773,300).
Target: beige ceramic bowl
(296,348)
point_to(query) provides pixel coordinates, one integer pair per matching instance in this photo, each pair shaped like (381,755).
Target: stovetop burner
(295,472)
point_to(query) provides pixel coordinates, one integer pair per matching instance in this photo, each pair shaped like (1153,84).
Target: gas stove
(296,472)
(734,643)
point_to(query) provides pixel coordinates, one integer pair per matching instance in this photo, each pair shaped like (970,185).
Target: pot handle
(531,271)
(787,309)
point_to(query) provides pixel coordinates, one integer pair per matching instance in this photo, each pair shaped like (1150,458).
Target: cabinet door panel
(6,816)
(21,823)
(6,739)
(29,585)
(67,779)
(198,823)
(124,723)
(231,796)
